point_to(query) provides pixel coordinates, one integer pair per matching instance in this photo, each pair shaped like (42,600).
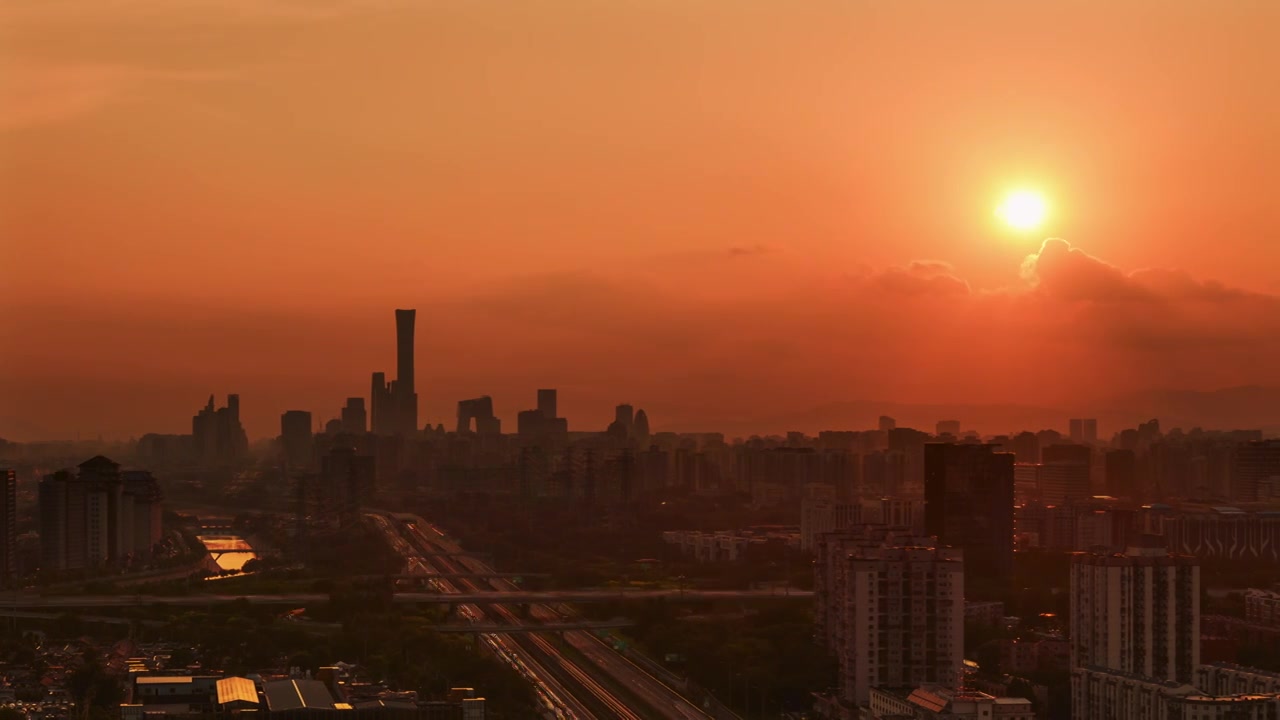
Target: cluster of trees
(761,661)
(589,548)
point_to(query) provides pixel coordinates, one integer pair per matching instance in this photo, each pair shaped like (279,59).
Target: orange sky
(709,209)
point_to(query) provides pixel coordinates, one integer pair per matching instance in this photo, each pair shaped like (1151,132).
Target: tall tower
(406,396)
(404,349)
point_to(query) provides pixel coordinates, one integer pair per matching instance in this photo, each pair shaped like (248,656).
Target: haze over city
(731,213)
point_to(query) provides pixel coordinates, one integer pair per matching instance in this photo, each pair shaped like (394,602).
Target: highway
(556,701)
(658,696)
(593,700)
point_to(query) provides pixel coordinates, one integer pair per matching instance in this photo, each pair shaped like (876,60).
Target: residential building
(1262,607)
(1137,612)
(890,608)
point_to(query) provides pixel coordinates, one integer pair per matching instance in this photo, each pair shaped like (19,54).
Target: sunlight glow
(1023,209)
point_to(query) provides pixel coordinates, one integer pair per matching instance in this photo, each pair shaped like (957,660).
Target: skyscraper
(890,608)
(969,504)
(1137,613)
(394,405)
(1255,470)
(354,418)
(404,391)
(1065,473)
(1084,430)
(295,437)
(624,415)
(217,434)
(547,403)
(8,526)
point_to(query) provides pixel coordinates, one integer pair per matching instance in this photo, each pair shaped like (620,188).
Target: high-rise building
(969,505)
(141,513)
(355,420)
(295,437)
(1137,613)
(890,609)
(1255,470)
(948,427)
(624,415)
(887,423)
(1065,473)
(539,425)
(547,402)
(1084,430)
(216,433)
(640,428)
(405,391)
(8,526)
(98,516)
(394,405)
(479,410)
(1121,470)
(348,480)
(1026,445)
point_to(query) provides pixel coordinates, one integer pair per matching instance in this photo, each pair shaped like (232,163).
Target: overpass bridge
(455,627)
(515,597)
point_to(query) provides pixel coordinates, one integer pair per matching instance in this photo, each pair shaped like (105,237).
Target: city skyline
(753,237)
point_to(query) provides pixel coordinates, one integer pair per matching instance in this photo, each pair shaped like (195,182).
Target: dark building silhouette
(295,437)
(1065,473)
(547,402)
(347,481)
(1084,430)
(98,516)
(216,433)
(887,423)
(481,411)
(948,427)
(355,420)
(969,504)
(1121,467)
(1026,446)
(640,428)
(394,405)
(8,526)
(1255,468)
(624,415)
(541,425)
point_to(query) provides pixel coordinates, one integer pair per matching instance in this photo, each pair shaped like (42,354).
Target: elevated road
(656,699)
(496,597)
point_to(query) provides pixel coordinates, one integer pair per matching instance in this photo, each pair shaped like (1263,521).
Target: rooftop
(233,689)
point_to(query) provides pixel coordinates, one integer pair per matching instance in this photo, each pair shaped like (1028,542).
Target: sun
(1023,209)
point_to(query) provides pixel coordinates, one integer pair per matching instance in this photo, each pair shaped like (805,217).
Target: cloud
(922,277)
(1070,273)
